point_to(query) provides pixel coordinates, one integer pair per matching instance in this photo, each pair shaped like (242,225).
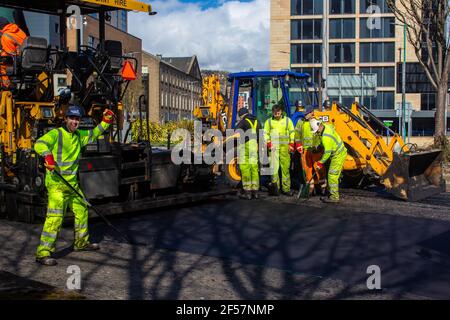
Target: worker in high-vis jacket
(248,154)
(307,145)
(11,38)
(279,136)
(335,152)
(61,148)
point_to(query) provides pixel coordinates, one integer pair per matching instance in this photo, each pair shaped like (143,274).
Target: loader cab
(259,91)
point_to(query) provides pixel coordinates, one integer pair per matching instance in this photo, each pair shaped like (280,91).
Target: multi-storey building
(174,86)
(341,36)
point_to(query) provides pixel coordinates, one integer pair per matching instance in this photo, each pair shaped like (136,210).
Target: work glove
(49,162)
(108,116)
(299,148)
(291,147)
(269,145)
(319,165)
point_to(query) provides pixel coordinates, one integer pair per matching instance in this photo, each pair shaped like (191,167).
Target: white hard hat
(314,124)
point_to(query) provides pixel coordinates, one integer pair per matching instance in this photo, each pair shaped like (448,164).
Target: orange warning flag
(128,72)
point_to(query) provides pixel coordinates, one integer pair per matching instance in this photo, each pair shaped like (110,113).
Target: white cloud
(233,36)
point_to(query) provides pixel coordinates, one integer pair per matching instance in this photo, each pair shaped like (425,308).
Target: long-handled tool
(125,237)
(304,188)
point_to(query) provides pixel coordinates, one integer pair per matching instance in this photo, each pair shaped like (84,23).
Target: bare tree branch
(426,24)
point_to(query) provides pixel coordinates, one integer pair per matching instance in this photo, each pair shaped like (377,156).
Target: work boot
(329,200)
(47,261)
(255,194)
(246,195)
(272,189)
(89,247)
(289,193)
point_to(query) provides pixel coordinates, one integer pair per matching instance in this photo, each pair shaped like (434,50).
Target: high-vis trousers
(60,197)
(248,164)
(334,172)
(281,158)
(309,158)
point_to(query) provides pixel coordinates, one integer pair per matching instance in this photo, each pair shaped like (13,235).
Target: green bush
(159,133)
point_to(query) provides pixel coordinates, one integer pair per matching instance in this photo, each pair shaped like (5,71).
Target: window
(365,4)
(383,101)
(346,100)
(386,29)
(124,21)
(306,29)
(377,52)
(342,52)
(341,70)
(303,7)
(306,53)
(342,6)
(92,42)
(342,28)
(385,75)
(313,72)
(428,101)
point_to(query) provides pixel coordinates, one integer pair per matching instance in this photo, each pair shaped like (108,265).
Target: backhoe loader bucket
(415,176)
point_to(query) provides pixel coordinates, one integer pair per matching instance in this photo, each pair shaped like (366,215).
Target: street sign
(352,85)
(388,123)
(408,110)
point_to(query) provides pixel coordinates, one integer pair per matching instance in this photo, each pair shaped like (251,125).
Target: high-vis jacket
(282,128)
(248,153)
(66,149)
(12,38)
(331,142)
(305,136)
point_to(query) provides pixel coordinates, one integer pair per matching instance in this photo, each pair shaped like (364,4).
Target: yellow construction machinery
(45,80)
(214,110)
(405,172)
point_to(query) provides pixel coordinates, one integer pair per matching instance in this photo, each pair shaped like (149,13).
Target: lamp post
(191,106)
(403,124)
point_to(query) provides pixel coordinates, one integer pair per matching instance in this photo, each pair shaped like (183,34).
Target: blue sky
(228,35)
(210,3)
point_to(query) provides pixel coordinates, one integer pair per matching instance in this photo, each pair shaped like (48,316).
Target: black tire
(232,174)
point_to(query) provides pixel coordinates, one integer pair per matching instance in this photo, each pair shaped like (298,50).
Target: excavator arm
(213,112)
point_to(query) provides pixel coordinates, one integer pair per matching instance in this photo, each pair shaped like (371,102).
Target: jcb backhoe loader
(407,173)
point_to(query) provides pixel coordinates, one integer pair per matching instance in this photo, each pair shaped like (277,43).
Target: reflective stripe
(60,146)
(69,163)
(333,171)
(50,235)
(91,133)
(47,244)
(340,150)
(101,128)
(338,144)
(330,136)
(49,210)
(333,185)
(46,153)
(68,172)
(81,235)
(81,226)
(13,39)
